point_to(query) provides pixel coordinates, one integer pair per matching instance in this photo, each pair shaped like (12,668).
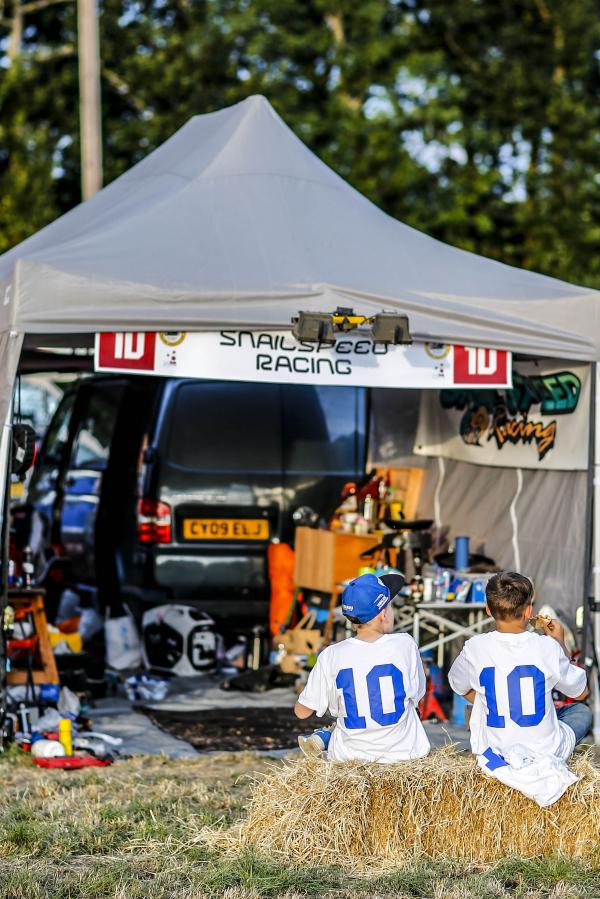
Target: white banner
(542,422)
(275,356)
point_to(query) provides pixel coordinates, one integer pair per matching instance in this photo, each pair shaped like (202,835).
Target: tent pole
(595,601)
(5,466)
(5,449)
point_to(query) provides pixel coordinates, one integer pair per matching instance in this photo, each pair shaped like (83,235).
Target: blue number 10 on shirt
(345,682)
(487,679)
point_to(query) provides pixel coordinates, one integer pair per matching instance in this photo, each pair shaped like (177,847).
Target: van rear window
(324,429)
(226,427)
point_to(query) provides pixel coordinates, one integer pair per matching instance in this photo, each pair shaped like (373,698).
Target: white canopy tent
(234,222)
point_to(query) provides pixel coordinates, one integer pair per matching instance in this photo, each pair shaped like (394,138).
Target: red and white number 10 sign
(475,365)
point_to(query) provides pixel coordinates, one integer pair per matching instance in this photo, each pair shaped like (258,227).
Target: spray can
(65,735)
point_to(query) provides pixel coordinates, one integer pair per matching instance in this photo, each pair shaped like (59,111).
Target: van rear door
(220,472)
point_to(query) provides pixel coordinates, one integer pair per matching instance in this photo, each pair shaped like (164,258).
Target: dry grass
(380,817)
(132,832)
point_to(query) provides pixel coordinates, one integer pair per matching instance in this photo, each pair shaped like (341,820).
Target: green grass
(130,832)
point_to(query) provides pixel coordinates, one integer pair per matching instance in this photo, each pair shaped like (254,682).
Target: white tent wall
(533,521)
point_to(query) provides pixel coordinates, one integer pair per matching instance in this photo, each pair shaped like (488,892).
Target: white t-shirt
(373,690)
(513,676)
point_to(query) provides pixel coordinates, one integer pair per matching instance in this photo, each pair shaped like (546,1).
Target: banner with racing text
(277,357)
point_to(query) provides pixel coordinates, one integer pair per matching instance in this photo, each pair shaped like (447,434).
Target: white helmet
(47,749)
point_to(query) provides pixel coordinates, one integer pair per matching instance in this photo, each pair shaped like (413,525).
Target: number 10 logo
(475,365)
(487,679)
(345,682)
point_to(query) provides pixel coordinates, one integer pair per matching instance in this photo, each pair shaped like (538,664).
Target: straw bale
(378,817)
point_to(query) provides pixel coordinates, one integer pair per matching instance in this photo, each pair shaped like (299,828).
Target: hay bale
(377,817)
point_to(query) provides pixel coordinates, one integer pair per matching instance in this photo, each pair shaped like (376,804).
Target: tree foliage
(475,120)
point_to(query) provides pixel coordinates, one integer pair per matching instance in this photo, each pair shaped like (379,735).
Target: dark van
(171,489)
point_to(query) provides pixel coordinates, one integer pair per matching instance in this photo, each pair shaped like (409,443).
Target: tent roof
(234,221)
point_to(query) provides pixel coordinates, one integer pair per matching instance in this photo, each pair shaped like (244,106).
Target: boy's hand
(554,629)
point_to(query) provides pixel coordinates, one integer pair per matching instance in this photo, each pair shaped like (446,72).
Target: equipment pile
(53,729)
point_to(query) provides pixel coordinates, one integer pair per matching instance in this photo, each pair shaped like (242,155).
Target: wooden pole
(90,122)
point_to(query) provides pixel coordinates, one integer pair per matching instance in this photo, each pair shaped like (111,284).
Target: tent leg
(5,460)
(595,601)
(5,449)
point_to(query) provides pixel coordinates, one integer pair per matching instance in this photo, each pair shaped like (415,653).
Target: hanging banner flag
(542,422)
(277,357)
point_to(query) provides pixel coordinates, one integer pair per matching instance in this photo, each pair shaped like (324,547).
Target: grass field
(132,832)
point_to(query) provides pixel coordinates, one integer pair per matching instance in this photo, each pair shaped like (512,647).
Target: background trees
(475,120)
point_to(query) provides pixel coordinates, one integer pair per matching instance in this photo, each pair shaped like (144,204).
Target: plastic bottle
(65,735)
(27,566)
(369,509)
(384,496)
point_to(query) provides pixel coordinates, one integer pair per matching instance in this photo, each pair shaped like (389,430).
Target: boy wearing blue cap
(371,683)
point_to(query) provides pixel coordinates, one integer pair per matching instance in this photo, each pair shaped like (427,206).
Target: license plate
(225,529)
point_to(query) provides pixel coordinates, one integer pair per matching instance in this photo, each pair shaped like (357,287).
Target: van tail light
(153,521)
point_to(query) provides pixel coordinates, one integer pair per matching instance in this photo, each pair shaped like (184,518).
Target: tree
(475,120)
(38,115)
(514,90)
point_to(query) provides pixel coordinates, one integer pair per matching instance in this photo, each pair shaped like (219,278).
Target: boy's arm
(415,689)
(302,711)
(572,680)
(314,697)
(459,677)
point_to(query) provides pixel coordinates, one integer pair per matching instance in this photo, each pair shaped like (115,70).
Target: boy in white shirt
(509,674)
(370,683)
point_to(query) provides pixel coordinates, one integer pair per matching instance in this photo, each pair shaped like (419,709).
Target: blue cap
(366,596)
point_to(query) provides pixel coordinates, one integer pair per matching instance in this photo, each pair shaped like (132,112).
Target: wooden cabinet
(326,558)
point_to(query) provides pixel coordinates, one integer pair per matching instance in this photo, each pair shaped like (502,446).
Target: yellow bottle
(65,735)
